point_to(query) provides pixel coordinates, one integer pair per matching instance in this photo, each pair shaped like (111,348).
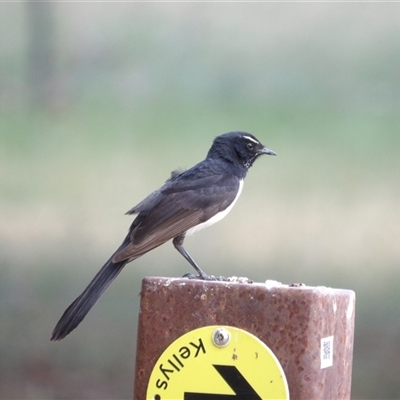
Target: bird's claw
(205,277)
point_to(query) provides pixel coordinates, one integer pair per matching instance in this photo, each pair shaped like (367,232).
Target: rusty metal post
(292,321)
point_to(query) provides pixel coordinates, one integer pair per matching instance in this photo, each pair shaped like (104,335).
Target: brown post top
(291,321)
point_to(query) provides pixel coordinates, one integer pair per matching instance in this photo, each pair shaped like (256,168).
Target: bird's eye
(250,146)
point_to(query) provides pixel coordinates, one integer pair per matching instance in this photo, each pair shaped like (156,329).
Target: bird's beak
(267,151)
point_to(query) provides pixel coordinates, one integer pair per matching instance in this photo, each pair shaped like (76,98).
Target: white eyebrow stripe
(253,140)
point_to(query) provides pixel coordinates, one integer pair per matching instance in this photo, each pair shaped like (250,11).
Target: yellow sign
(217,362)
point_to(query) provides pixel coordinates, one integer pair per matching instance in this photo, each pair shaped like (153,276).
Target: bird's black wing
(178,206)
(169,211)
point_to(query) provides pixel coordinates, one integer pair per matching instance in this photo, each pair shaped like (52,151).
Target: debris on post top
(309,329)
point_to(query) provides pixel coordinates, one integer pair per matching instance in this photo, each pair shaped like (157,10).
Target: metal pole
(310,330)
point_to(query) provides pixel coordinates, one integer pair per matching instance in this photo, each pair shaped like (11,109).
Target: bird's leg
(178,244)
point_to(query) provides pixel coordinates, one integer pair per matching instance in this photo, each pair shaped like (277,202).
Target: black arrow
(235,380)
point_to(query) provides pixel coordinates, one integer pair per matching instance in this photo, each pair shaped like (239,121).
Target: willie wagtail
(189,201)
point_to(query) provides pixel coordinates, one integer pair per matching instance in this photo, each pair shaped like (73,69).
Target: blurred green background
(99,101)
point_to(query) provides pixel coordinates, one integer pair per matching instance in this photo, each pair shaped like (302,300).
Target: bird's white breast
(216,217)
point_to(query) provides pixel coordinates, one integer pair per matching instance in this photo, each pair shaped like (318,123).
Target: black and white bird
(189,201)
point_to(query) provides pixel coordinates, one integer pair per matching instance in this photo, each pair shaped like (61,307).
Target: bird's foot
(205,277)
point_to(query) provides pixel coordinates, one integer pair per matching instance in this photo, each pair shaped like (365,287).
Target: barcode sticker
(327,352)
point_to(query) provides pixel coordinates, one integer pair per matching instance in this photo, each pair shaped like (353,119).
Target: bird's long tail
(77,311)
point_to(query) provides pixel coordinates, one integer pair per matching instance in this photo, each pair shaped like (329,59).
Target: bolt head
(221,337)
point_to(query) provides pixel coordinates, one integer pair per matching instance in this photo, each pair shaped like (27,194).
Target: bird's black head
(239,148)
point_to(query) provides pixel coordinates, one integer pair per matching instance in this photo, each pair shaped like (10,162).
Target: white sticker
(327,352)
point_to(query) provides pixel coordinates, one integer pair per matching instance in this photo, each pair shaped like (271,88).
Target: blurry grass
(324,212)
(142,89)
